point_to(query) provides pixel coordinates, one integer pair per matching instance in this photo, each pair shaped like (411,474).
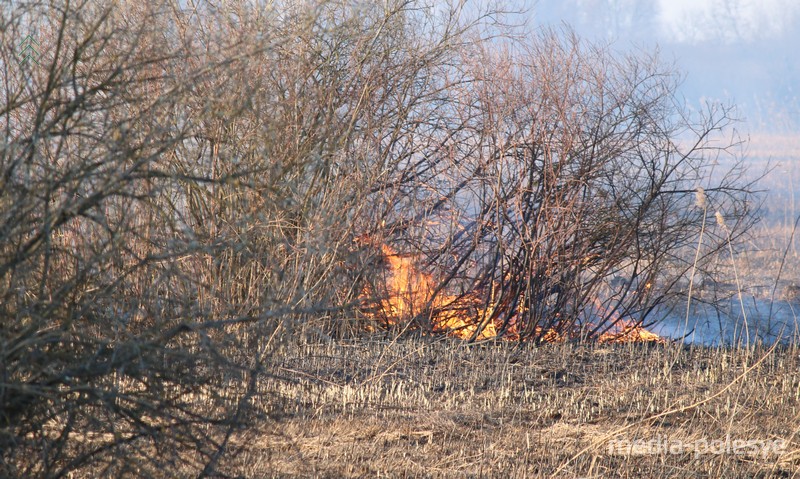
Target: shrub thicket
(181,187)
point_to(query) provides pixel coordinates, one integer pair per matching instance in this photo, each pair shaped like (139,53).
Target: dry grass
(182,189)
(444,409)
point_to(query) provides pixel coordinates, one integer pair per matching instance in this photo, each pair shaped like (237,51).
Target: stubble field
(423,408)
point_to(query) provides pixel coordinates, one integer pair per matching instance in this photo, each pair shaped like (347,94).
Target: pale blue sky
(745,51)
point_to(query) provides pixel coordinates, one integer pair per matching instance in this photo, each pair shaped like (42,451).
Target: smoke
(726,21)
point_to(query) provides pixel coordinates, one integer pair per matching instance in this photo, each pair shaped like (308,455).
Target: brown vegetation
(184,189)
(441,409)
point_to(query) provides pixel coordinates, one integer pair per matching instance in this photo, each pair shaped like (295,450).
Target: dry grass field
(423,408)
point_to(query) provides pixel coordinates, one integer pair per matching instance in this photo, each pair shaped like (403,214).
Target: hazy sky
(741,51)
(727,21)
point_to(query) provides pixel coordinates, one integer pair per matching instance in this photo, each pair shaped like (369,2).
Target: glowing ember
(624,331)
(631,334)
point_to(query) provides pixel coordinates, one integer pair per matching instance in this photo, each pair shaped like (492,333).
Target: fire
(412,293)
(623,331)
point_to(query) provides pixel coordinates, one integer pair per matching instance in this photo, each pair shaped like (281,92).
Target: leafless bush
(565,189)
(606,167)
(182,186)
(107,356)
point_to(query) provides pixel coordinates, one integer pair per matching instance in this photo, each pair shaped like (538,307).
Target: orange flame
(411,293)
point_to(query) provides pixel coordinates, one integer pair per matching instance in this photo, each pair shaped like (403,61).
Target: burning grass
(444,409)
(408,292)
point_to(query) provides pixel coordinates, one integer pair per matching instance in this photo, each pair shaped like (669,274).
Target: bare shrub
(181,188)
(107,356)
(564,189)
